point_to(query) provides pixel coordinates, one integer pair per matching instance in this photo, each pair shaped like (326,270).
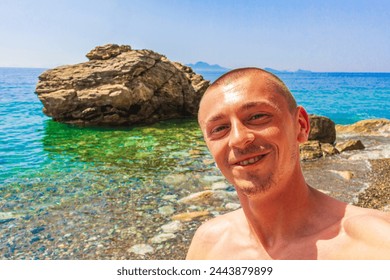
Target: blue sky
(287,35)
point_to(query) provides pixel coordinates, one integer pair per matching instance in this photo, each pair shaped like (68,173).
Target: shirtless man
(253,128)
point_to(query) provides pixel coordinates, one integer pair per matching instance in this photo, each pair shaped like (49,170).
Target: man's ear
(303,124)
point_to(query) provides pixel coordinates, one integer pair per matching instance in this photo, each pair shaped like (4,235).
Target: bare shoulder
(211,234)
(361,218)
(369,227)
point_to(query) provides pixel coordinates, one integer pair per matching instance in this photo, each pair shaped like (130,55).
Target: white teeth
(249,161)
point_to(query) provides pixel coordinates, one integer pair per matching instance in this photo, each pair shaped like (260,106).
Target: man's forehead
(232,92)
(240,88)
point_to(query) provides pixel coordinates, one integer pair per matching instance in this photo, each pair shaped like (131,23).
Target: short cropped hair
(241,72)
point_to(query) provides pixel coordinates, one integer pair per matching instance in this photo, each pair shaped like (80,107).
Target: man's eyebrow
(252,104)
(215,118)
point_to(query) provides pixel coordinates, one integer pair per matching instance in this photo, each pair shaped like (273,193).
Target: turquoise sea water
(45,164)
(344,97)
(33,148)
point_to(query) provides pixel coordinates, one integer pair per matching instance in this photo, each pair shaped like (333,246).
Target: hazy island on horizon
(206,67)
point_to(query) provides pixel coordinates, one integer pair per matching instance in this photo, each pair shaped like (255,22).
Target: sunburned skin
(253,129)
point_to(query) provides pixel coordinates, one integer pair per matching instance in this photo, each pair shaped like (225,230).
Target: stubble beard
(256,184)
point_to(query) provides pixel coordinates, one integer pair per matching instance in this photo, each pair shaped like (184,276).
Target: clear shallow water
(46,164)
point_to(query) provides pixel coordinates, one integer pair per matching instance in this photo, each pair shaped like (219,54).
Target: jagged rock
(349,145)
(322,129)
(107,51)
(120,86)
(328,149)
(310,150)
(376,127)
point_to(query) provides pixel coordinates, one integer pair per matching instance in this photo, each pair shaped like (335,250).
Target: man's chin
(253,187)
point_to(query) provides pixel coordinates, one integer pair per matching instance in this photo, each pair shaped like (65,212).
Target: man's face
(251,133)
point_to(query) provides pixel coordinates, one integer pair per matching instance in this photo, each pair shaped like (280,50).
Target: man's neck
(283,214)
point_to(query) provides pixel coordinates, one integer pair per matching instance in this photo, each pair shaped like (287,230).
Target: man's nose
(240,136)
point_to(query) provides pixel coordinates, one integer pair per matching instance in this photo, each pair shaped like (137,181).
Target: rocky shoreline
(377,195)
(157,219)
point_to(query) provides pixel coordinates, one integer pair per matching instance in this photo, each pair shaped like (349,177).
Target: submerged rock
(141,249)
(208,197)
(172,227)
(166,210)
(120,86)
(189,216)
(162,237)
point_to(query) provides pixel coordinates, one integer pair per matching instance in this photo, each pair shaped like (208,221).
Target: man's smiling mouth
(250,161)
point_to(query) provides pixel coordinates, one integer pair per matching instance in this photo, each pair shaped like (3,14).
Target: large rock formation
(321,138)
(120,86)
(322,129)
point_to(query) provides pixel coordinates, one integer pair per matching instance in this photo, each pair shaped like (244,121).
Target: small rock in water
(170,197)
(7,216)
(347,175)
(189,216)
(232,206)
(172,227)
(219,186)
(141,249)
(208,161)
(37,230)
(162,237)
(212,178)
(175,179)
(3,221)
(34,239)
(166,210)
(197,197)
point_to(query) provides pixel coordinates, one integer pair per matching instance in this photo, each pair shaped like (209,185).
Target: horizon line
(228,69)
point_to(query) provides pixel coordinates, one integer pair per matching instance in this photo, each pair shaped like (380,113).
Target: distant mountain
(285,71)
(204,66)
(303,71)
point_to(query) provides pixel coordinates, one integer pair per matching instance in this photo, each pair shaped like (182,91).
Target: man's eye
(219,129)
(257,116)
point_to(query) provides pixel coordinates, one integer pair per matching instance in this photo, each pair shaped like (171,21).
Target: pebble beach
(111,225)
(377,195)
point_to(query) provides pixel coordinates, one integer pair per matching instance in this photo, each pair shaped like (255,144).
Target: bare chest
(304,249)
